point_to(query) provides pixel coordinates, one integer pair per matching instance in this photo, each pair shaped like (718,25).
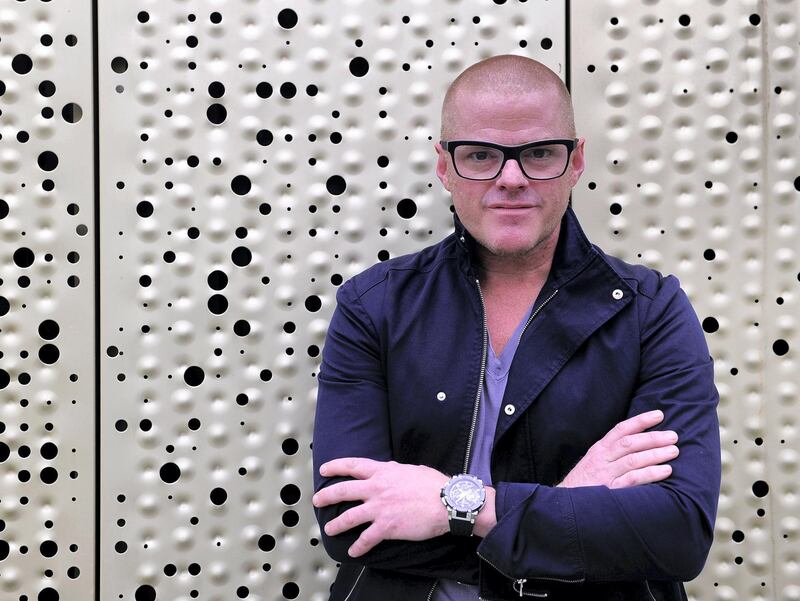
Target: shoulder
(646,281)
(405,266)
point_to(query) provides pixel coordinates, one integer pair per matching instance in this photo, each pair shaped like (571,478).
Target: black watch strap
(461,527)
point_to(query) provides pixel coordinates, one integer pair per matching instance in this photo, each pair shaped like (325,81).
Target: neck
(531,268)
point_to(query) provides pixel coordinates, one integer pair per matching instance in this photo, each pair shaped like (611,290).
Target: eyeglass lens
(539,162)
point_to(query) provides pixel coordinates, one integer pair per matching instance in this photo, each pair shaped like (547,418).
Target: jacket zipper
(649,592)
(433,588)
(521,581)
(355,584)
(477,405)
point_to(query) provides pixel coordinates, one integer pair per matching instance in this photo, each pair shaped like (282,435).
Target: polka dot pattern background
(690,110)
(252,157)
(47,267)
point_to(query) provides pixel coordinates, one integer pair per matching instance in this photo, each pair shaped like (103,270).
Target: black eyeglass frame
(510,152)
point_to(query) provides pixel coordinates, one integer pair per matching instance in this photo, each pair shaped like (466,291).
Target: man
(443,469)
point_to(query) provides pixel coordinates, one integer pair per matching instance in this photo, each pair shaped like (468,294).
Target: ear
(441,165)
(578,163)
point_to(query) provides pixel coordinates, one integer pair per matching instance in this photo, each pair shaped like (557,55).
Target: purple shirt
(494,386)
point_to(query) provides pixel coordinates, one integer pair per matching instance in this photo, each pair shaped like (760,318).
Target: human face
(511,215)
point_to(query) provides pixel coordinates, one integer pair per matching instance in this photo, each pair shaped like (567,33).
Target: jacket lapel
(588,296)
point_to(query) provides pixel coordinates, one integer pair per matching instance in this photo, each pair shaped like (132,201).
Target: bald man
(498,414)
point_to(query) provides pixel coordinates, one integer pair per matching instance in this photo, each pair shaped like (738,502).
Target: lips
(511,206)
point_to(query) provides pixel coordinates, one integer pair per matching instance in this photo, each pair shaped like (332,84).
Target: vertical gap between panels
(96,175)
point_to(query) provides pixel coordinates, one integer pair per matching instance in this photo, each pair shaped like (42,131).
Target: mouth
(513,207)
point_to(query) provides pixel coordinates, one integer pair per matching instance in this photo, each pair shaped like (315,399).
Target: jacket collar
(573,249)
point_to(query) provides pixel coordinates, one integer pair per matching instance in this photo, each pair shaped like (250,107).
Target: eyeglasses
(476,160)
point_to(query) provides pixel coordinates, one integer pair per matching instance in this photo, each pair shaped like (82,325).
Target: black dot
(48,329)
(780,347)
(264,137)
(217,304)
(731,137)
(287,18)
(290,590)
(241,185)
(216,89)
(23,257)
(406,208)
(241,327)
(266,542)
(760,488)
(709,254)
(48,160)
(684,20)
(216,113)
(288,89)
(264,90)
(797,183)
(313,303)
(194,375)
(336,185)
(755,19)
(710,325)
(170,472)
(47,88)
(217,280)
(72,112)
(145,593)
(218,496)
(119,64)
(359,66)
(290,494)
(48,354)
(22,64)
(547,43)
(290,446)
(241,256)
(144,208)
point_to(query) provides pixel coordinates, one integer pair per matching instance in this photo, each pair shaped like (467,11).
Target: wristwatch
(463,496)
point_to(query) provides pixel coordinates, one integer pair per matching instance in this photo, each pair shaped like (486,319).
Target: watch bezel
(461,478)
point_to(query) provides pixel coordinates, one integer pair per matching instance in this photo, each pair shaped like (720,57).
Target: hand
(627,455)
(401,500)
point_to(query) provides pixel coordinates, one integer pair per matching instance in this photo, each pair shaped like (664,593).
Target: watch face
(465,493)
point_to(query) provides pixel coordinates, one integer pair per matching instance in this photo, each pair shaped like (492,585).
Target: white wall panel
(254,155)
(690,111)
(47,296)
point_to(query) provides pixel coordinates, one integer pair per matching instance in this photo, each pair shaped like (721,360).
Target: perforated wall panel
(47,316)
(254,156)
(690,110)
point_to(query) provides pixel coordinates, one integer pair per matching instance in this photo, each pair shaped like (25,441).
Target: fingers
(368,539)
(633,425)
(349,490)
(633,443)
(349,519)
(646,475)
(358,467)
(645,459)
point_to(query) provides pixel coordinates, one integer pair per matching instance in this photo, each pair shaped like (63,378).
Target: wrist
(487,516)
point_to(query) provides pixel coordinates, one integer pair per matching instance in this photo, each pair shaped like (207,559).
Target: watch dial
(465,495)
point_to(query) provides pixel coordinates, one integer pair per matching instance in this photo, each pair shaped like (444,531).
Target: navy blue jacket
(413,326)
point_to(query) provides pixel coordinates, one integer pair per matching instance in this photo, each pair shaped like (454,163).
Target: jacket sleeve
(352,420)
(659,531)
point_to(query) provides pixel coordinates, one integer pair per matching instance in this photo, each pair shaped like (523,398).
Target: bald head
(506,75)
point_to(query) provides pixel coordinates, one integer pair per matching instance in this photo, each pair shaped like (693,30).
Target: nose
(511,176)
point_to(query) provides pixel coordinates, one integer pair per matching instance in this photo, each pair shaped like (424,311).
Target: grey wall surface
(171,257)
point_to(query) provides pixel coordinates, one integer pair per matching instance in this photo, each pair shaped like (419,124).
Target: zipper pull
(521,582)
